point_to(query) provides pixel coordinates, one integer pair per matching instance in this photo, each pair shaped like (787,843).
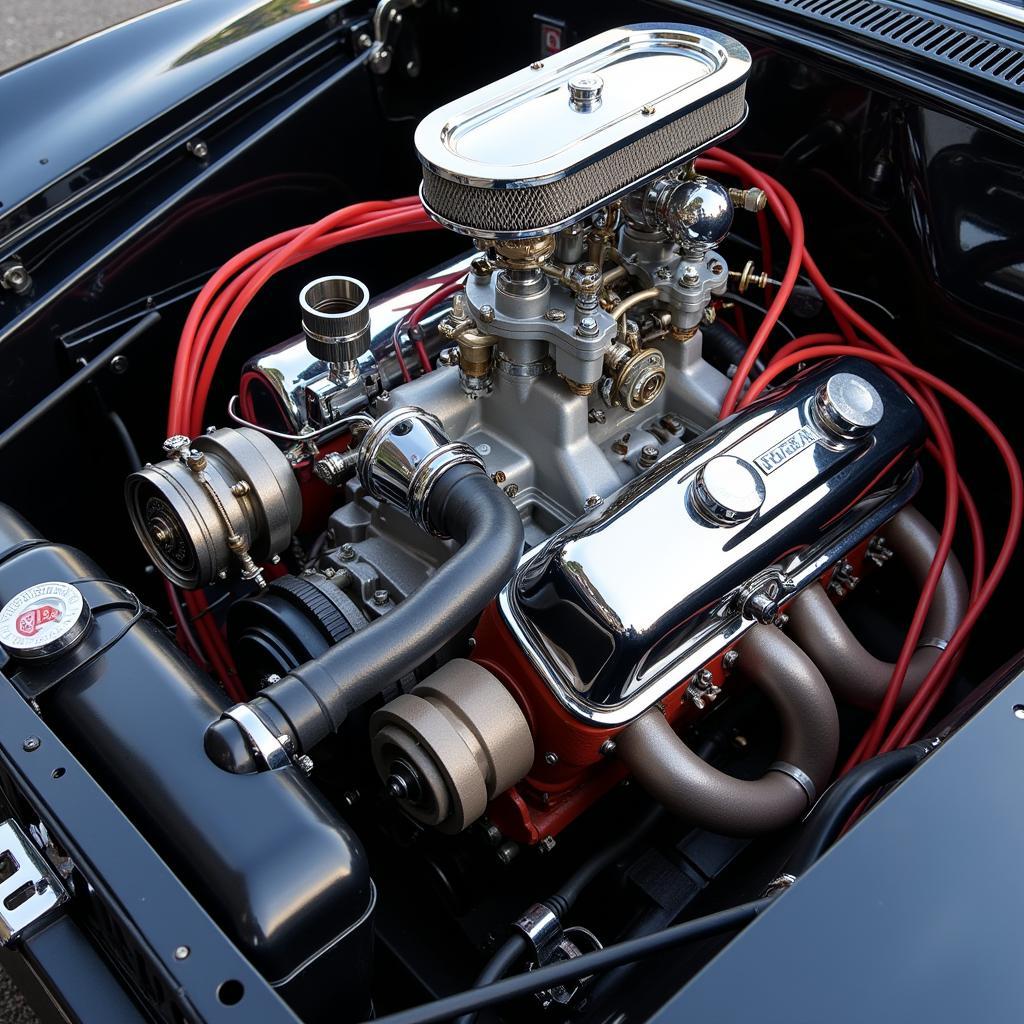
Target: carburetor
(602,131)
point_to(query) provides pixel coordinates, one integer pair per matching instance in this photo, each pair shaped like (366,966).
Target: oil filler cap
(727,490)
(847,406)
(44,621)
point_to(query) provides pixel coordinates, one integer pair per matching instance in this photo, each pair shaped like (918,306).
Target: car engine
(509,567)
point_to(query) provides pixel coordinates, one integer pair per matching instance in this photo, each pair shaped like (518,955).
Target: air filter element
(542,148)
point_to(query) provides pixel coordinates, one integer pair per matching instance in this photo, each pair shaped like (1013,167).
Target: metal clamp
(799,776)
(28,888)
(542,929)
(267,748)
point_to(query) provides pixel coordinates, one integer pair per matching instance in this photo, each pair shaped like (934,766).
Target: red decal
(29,623)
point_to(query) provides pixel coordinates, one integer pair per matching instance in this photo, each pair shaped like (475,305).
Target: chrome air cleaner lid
(547,145)
(43,621)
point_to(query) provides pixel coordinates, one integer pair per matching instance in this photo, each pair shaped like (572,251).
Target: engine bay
(529,606)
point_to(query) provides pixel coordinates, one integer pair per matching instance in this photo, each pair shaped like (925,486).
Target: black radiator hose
(312,701)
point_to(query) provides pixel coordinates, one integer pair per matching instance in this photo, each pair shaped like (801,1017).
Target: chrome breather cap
(546,146)
(847,406)
(727,490)
(44,621)
(336,318)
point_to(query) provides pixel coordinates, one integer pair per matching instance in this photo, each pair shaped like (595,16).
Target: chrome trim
(622,606)
(26,865)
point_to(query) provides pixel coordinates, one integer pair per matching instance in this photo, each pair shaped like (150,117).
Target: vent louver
(981,56)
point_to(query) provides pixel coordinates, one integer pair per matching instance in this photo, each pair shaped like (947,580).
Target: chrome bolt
(608,748)
(551,757)
(240,489)
(715,267)
(647,110)
(16,279)
(512,490)
(587,327)
(729,659)
(537,65)
(648,455)
(364,40)
(1018,710)
(596,416)
(305,763)
(329,573)
(182,953)
(546,844)
(448,357)
(499,477)
(347,552)
(487,314)
(556,316)
(592,502)
(663,273)
(507,852)
(690,278)
(119,364)
(31,743)
(198,149)
(381,597)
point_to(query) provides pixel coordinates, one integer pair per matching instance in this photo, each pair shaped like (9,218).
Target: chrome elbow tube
(854,675)
(691,788)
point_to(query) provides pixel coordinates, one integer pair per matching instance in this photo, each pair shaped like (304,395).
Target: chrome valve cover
(543,147)
(623,605)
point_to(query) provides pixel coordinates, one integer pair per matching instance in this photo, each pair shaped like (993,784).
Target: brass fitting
(524,253)
(748,277)
(753,200)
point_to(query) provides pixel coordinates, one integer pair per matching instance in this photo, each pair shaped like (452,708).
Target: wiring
(857,333)
(208,328)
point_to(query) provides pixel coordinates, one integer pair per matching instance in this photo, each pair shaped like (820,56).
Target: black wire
(571,970)
(130,451)
(828,816)
(562,899)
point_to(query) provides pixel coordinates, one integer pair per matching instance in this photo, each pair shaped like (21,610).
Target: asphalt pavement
(31,27)
(27,29)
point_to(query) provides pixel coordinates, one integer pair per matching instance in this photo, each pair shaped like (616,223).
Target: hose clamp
(542,929)
(431,469)
(269,750)
(799,776)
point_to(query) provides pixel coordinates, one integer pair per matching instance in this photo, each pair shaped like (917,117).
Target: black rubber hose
(570,970)
(561,901)
(312,701)
(825,822)
(723,347)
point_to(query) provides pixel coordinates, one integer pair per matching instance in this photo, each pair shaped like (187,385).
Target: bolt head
(487,314)
(182,953)
(556,316)
(587,327)
(119,364)
(551,757)
(199,149)
(596,416)
(381,597)
(592,502)
(608,748)
(31,743)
